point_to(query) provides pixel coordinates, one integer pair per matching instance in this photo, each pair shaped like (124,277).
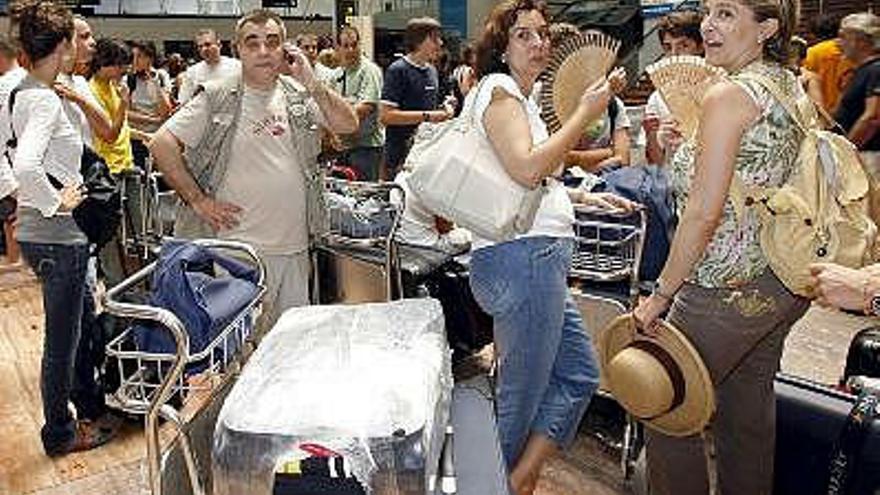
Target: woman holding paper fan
(716,284)
(547,370)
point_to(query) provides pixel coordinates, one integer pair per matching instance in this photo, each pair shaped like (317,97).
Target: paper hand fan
(576,64)
(683,81)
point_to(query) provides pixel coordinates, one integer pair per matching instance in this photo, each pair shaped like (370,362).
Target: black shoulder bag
(99,214)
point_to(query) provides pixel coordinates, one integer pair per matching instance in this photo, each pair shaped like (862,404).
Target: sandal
(88,435)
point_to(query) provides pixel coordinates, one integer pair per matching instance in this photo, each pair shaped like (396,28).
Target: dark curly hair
(496,34)
(109,53)
(146,47)
(39,27)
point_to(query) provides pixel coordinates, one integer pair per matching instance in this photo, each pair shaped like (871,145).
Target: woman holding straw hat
(716,283)
(547,370)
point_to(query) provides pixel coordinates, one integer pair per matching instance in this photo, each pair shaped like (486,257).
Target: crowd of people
(242,140)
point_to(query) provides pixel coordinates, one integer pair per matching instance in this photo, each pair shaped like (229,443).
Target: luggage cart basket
(605,268)
(609,246)
(147,381)
(363,218)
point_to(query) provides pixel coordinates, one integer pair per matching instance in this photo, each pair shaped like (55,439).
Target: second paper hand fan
(575,65)
(683,81)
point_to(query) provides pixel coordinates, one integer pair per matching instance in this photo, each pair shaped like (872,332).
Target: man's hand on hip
(219,215)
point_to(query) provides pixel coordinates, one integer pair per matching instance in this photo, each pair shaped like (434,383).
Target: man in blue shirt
(410,94)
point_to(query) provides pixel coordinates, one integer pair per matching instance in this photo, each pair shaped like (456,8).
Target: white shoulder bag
(458,176)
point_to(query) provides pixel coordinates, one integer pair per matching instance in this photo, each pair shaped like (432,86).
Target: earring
(504,58)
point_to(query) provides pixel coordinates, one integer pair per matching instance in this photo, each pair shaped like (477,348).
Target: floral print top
(766,157)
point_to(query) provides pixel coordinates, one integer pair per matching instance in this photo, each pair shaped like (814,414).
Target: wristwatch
(874,305)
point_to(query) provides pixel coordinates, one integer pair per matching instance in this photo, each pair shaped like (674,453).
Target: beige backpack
(820,214)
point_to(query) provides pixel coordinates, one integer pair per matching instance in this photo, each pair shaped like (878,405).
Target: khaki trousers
(287,286)
(740,334)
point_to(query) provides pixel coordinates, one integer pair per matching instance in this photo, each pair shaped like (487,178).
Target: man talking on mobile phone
(251,143)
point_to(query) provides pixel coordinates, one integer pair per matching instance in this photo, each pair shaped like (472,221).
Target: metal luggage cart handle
(173,325)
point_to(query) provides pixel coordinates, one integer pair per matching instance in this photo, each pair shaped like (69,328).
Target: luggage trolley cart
(157,206)
(358,258)
(605,268)
(147,381)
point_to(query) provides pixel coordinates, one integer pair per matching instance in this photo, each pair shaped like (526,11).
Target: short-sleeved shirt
(117,153)
(865,84)
(766,158)
(262,176)
(598,133)
(827,60)
(146,97)
(555,215)
(202,72)
(362,83)
(411,87)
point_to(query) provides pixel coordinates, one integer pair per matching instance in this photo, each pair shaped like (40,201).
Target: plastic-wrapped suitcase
(818,431)
(370,383)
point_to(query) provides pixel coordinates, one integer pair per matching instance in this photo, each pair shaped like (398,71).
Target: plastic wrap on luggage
(370,383)
(359,218)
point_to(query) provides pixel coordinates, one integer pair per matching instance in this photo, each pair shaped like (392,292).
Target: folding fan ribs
(683,81)
(576,64)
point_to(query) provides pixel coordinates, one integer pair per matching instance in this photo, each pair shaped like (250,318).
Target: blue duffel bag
(185,283)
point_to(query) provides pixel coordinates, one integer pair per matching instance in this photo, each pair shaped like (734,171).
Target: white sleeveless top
(555,215)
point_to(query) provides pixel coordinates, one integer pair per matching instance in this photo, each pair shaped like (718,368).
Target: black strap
(13,141)
(613,111)
(844,457)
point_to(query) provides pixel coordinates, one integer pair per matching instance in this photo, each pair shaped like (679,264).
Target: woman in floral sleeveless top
(716,283)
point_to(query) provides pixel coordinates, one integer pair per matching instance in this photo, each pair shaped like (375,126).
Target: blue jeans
(71,347)
(547,370)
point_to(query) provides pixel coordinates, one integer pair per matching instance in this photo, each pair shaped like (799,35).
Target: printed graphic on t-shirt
(275,125)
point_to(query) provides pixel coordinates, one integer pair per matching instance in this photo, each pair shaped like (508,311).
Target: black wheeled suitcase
(863,356)
(827,441)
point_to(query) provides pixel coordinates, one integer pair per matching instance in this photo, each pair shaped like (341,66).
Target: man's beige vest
(209,159)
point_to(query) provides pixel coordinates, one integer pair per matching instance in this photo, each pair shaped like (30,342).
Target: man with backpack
(251,143)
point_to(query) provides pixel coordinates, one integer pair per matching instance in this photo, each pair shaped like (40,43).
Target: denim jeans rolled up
(71,345)
(547,369)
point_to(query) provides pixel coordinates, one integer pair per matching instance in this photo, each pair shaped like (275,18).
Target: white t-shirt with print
(555,215)
(262,176)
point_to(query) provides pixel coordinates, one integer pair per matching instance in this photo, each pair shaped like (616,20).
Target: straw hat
(660,380)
